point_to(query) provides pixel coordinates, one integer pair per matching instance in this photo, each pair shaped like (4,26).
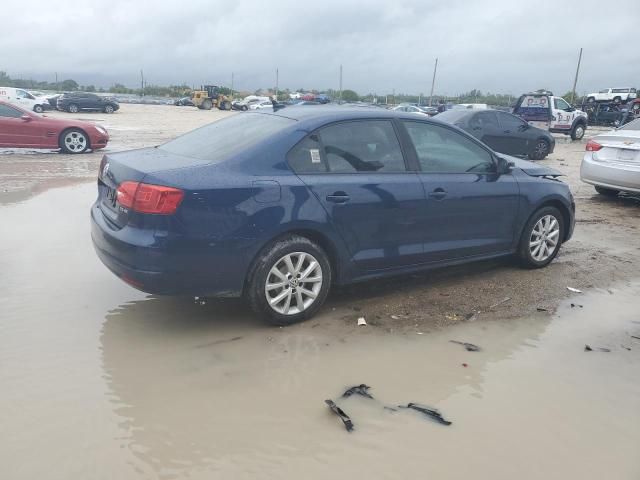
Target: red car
(23,129)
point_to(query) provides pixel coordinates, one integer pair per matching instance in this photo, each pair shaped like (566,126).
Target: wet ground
(101,381)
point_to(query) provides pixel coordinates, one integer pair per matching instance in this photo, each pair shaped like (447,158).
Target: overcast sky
(493,45)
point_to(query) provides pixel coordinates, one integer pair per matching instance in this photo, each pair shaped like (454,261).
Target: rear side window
(305,157)
(511,121)
(484,119)
(362,146)
(8,112)
(442,150)
(219,140)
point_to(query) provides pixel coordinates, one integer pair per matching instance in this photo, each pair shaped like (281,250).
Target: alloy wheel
(293,283)
(541,149)
(75,142)
(544,238)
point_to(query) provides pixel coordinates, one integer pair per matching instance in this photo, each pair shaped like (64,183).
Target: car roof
(332,113)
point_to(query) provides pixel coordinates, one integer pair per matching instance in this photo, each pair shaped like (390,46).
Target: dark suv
(75,101)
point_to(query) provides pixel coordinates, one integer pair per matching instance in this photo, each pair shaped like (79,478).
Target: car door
(514,135)
(357,171)
(24,99)
(14,131)
(470,210)
(562,115)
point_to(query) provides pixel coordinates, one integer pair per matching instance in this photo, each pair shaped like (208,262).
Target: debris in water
(361,321)
(361,389)
(429,412)
(587,348)
(504,300)
(573,305)
(348,424)
(469,346)
(574,290)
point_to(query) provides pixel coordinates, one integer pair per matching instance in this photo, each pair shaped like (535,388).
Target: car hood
(533,169)
(64,123)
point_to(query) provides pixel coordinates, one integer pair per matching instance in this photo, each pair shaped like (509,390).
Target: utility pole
(340,89)
(277,74)
(433,82)
(56,80)
(141,83)
(393,96)
(232,85)
(575,80)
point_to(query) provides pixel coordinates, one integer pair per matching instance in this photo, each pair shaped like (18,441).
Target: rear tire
(276,287)
(537,248)
(226,105)
(74,140)
(108,109)
(591,99)
(617,100)
(207,104)
(73,108)
(38,109)
(607,192)
(245,108)
(541,150)
(578,132)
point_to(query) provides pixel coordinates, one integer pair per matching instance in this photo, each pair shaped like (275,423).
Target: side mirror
(505,166)
(26,118)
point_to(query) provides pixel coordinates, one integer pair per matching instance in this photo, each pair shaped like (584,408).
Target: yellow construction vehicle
(210,96)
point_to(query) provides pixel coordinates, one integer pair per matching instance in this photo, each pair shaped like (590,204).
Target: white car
(613,95)
(261,105)
(612,161)
(22,98)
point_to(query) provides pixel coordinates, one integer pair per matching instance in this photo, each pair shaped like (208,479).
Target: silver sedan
(612,161)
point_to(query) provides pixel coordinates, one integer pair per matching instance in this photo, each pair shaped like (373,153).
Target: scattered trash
(429,412)
(575,305)
(574,290)
(542,309)
(348,424)
(587,348)
(469,346)
(200,300)
(504,300)
(361,389)
(625,347)
(471,317)
(465,365)
(419,333)
(361,321)
(633,336)
(395,317)
(391,409)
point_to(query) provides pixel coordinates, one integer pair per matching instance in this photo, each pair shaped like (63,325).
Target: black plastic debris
(361,389)
(542,309)
(573,305)
(588,348)
(429,412)
(634,336)
(469,346)
(348,424)
(625,347)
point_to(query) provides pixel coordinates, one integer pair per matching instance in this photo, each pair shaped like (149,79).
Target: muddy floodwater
(99,381)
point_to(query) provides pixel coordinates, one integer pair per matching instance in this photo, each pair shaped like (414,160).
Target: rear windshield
(452,116)
(224,138)
(635,125)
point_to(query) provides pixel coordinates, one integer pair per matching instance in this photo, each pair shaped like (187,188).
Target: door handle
(438,194)
(338,197)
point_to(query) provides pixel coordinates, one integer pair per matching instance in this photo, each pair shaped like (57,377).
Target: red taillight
(593,146)
(145,198)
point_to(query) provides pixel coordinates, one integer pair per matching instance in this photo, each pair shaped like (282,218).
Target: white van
(22,98)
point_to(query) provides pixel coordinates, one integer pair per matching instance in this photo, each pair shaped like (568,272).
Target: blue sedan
(279,206)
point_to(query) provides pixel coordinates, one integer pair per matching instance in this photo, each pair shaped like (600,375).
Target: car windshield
(221,139)
(453,116)
(635,125)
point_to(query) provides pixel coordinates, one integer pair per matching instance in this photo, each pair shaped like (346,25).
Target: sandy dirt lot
(102,381)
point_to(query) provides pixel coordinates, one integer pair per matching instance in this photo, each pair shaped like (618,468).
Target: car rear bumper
(617,176)
(139,259)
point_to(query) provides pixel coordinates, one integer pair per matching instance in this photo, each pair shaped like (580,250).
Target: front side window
(362,146)
(22,94)
(560,104)
(442,150)
(8,112)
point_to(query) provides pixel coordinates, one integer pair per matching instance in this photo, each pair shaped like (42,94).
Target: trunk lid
(618,147)
(133,166)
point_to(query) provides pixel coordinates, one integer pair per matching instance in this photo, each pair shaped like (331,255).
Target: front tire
(245,108)
(591,99)
(74,141)
(607,192)
(617,100)
(38,109)
(290,280)
(73,108)
(541,238)
(108,109)
(207,104)
(578,132)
